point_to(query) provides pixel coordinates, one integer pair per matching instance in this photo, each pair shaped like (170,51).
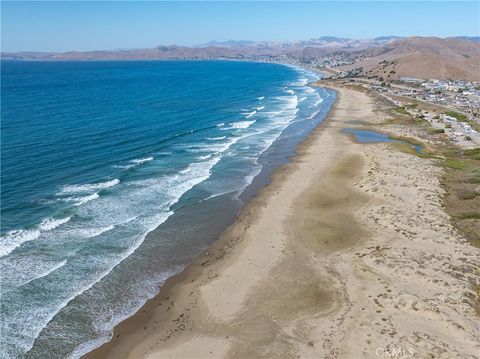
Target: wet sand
(348,253)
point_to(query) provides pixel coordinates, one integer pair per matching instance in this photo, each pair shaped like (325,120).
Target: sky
(95,25)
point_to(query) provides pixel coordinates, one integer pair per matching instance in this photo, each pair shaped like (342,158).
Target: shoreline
(135,324)
(335,218)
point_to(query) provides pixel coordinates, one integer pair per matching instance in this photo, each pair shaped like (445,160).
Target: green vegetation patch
(458,116)
(467,215)
(473,153)
(474,124)
(466,194)
(473,177)
(401,110)
(438,130)
(454,164)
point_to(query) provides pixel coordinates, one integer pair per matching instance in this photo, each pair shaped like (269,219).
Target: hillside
(422,57)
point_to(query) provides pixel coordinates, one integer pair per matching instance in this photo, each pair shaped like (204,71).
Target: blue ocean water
(116,174)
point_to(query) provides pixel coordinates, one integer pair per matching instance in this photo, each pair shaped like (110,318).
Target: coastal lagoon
(115,175)
(365,136)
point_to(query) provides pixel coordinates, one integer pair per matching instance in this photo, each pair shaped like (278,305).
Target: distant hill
(333,39)
(387,57)
(157,53)
(422,57)
(470,38)
(229,43)
(386,38)
(213,49)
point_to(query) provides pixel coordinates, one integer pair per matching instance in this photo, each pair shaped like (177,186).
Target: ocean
(115,175)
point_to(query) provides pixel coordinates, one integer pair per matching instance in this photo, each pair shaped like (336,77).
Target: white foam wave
(219,194)
(52,223)
(95,232)
(21,278)
(260,108)
(216,138)
(261,98)
(250,114)
(13,239)
(196,149)
(135,162)
(242,124)
(291,102)
(221,124)
(318,102)
(124,166)
(216,147)
(249,179)
(302,81)
(85,199)
(89,186)
(274,113)
(290,92)
(139,161)
(314,114)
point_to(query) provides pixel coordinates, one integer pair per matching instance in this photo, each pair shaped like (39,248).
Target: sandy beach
(348,253)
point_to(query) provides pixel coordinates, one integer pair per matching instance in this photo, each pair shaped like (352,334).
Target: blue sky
(70,25)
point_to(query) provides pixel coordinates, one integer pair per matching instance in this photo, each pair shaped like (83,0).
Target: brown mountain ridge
(422,57)
(386,57)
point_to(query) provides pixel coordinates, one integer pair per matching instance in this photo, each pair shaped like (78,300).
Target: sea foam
(250,114)
(89,186)
(85,199)
(13,239)
(240,125)
(139,161)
